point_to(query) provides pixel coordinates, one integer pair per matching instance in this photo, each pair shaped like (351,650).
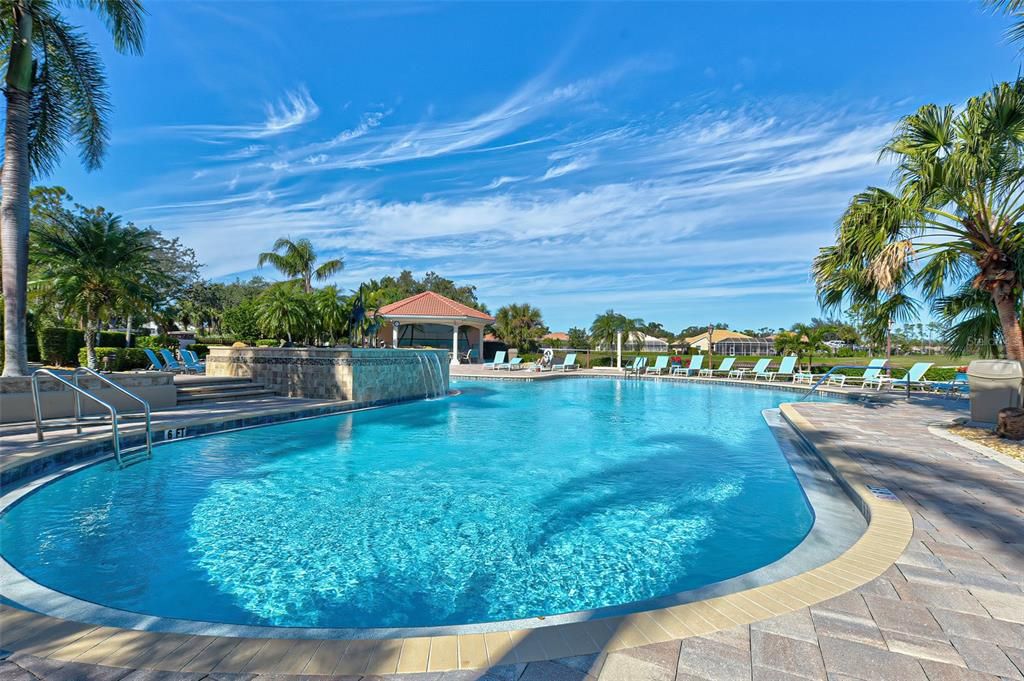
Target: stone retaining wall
(57,401)
(367,376)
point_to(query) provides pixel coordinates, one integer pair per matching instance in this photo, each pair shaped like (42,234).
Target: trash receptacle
(995,384)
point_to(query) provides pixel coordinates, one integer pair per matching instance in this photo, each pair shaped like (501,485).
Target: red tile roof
(430,304)
(556,335)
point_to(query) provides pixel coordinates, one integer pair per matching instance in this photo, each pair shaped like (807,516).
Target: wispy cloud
(295,109)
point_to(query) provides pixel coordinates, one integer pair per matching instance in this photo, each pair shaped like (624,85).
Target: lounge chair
(499,359)
(514,363)
(913,378)
(636,367)
(660,365)
(568,362)
(467,356)
(758,367)
(696,362)
(873,370)
(192,362)
(170,362)
(785,369)
(154,361)
(957,387)
(724,368)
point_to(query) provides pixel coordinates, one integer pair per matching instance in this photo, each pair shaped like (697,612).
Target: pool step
(198,389)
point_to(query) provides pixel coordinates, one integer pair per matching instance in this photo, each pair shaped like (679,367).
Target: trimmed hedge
(267,343)
(201,349)
(123,359)
(215,340)
(59,346)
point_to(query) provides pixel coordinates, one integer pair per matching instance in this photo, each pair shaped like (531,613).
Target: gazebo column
(394,334)
(480,345)
(455,343)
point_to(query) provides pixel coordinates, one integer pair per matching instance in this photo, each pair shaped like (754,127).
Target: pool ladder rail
(124,459)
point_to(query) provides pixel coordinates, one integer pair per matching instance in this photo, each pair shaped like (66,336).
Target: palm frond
(125,19)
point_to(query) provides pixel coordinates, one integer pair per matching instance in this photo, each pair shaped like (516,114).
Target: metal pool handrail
(831,371)
(124,391)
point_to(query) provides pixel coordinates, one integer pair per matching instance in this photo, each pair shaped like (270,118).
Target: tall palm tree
(607,326)
(520,325)
(56,92)
(92,266)
(298,260)
(331,313)
(955,215)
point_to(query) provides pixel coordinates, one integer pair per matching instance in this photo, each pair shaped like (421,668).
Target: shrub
(267,343)
(59,346)
(156,342)
(201,349)
(111,339)
(214,340)
(121,359)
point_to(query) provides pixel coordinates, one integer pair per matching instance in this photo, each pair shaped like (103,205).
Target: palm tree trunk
(1007,308)
(14,206)
(128,333)
(90,338)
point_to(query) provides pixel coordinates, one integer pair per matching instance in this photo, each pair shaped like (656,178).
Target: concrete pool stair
(729,634)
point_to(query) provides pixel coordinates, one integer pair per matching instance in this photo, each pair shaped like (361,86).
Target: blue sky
(676,162)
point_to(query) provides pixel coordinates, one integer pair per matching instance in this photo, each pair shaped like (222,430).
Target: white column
(455,343)
(480,346)
(618,349)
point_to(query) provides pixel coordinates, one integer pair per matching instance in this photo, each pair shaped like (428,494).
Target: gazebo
(429,319)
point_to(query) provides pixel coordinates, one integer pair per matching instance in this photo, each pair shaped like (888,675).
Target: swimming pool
(507,501)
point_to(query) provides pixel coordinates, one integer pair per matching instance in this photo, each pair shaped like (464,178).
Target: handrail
(124,391)
(78,391)
(843,366)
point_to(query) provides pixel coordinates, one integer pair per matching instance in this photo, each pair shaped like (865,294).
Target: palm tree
(972,323)
(956,214)
(56,91)
(331,313)
(299,261)
(92,266)
(519,325)
(1014,8)
(283,310)
(607,326)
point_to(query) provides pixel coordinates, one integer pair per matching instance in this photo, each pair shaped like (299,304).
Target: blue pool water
(510,500)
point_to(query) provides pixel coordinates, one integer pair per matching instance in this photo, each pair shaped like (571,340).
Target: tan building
(700,341)
(431,320)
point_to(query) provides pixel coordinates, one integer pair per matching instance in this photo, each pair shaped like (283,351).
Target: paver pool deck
(940,599)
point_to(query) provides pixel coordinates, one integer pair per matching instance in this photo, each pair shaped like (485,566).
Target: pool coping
(889,529)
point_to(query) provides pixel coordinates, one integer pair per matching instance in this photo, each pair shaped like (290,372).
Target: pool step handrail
(831,371)
(122,460)
(135,456)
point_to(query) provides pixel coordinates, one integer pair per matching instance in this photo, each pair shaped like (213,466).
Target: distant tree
(578,338)
(392,289)
(284,311)
(519,325)
(607,326)
(242,321)
(297,259)
(331,314)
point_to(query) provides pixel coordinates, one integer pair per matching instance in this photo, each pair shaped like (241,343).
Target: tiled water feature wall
(367,376)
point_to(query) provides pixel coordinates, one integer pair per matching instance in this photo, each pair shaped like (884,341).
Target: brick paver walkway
(952,607)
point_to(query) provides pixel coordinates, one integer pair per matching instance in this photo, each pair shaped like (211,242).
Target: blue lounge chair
(958,387)
(696,362)
(873,370)
(724,368)
(170,362)
(568,362)
(758,367)
(914,377)
(660,365)
(514,363)
(192,362)
(499,359)
(154,361)
(636,367)
(785,369)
